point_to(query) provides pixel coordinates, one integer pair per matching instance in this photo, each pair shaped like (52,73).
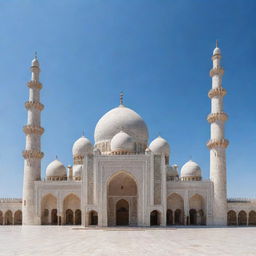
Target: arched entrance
(232,218)
(18,217)
(122,213)
(242,218)
(192,217)
(78,217)
(155,218)
(175,203)
(54,217)
(169,217)
(93,218)
(122,200)
(1,218)
(69,217)
(252,218)
(48,203)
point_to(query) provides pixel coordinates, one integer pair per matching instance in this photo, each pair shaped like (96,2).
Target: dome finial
(217,44)
(36,55)
(83,133)
(121,98)
(56,157)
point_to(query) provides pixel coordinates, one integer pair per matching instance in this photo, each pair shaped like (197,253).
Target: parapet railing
(240,200)
(10,200)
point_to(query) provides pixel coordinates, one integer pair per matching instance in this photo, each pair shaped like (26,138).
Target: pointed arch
(232,218)
(197,214)
(175,203)
(8,218)
(18,218)
(48,204)
(71,204)
(252,218)
(93,218)
(242,218)
(155,218)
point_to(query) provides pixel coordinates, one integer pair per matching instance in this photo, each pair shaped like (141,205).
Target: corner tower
(32,153)
(217,143)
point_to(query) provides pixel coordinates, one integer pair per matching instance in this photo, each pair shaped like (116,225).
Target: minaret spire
(32,153)
(217,143)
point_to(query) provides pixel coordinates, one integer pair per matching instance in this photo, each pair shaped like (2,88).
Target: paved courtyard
(49,240)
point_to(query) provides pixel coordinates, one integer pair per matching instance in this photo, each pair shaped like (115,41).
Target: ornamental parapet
(28,154)
(220,91)
(33,129)
(217,143)
(34,104)
(217,116)
(217,71)
(78,159)
(33,84)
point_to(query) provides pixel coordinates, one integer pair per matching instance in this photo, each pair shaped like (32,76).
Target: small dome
(122,142)
(172,171)
(191,169)
(56,169)
(160,146)
(216,51)
(77,170)
(82,147)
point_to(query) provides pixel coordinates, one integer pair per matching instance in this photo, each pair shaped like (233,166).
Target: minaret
(218,144)
(32,153)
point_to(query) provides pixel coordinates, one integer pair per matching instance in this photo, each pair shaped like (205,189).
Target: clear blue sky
(157,52)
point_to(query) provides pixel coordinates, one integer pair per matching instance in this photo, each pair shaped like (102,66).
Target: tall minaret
(218,144)
(32,153)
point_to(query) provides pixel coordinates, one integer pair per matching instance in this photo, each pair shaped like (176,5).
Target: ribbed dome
(160,146)
(56,169)
(77,170)
(121,118)
(82,147)
(216,51)
(191,169)
(122,142)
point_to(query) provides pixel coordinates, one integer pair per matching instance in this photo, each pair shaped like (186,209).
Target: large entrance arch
(122,200)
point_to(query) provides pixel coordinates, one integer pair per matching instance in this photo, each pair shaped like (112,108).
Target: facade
(123,179)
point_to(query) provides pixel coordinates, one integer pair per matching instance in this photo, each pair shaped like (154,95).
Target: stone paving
(67,240)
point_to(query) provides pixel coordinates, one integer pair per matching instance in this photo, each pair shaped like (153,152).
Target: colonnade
(11,217)
(241,218)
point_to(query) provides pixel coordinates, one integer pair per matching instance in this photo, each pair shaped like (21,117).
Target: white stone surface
(47,240)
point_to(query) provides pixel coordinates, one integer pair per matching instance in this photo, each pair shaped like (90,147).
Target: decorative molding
(217,71)
(217,143)
(28,154)
(213,117)
(216,56)
(78,159)
(34,104)
(220,91)
(33,84)
(33,129)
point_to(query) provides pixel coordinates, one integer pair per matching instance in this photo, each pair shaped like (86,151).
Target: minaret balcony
(29,154)
(33,84)
(213,117)
(34,104)
(217,143)
(220,91)
(33,129)
(217,71)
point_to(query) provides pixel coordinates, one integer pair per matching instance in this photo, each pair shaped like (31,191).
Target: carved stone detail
(217,71)
(217,143)
(217,92)
(34,104)
(28,154)
(34,84)
(217,116)
(32,129)
(78,159)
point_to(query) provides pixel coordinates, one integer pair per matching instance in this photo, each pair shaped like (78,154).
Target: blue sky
(157,52)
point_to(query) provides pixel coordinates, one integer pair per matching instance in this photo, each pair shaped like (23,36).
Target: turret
(32,153)
(217,143)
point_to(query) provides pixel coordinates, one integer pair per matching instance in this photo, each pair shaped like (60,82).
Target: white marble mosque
(123,179)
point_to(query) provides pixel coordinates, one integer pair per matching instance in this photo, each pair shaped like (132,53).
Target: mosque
(123,179)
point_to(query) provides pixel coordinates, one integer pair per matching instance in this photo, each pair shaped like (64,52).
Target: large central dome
(117,119)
